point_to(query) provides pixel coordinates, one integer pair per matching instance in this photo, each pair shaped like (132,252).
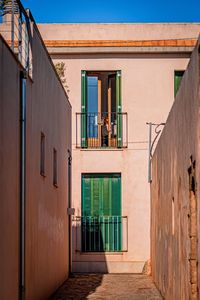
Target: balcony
(101,130)
(101,234)
(16,28)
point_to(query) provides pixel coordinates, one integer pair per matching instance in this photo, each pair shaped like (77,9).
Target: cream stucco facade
(147,82)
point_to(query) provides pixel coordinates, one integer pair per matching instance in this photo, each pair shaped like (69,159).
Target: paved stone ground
(108,286)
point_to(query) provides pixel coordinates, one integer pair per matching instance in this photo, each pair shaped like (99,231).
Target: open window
(42,154)
(101,113)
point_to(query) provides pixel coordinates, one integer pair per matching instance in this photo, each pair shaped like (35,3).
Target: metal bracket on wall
(69,157)
(153,136)
(70,211)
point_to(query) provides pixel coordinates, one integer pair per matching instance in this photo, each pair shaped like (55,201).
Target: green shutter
(106,199)
(101,212)
(119,109)
(178,75)
(116,196)
(95,196)
(83,109)
(86,195)
(101,195)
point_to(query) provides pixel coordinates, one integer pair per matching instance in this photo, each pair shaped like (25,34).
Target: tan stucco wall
(9,173)
(170,252)
(46,224)
(147,95)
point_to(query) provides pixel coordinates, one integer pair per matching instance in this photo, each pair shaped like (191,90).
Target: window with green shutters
(101,99)
(101,212)
(178,75)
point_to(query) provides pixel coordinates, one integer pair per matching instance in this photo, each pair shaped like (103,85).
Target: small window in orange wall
(178,75)
(42,154)
(55,168)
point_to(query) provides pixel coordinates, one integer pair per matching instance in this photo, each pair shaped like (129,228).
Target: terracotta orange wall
(48,111)
(46,226)
(9,173)
(170,251)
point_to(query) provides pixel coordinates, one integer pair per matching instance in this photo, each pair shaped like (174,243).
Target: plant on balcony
(60,69)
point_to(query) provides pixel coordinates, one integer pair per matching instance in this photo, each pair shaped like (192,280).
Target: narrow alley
(99,150)
(108,286)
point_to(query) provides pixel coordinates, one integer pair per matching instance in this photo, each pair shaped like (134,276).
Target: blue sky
(112,11)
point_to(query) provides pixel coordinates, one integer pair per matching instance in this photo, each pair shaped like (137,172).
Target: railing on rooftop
(101,233)
(101,130)
(15,27)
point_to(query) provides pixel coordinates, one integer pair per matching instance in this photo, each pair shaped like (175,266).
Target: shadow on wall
(91,238)
(87,239)
(98,234)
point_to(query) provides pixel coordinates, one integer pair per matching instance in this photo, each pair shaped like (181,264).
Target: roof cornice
(121,43)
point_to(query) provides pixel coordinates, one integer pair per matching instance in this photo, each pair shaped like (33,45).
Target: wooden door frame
(99,118)
(109,111)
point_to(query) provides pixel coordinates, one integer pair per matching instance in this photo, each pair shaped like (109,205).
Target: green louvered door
(119,109)
(101,212)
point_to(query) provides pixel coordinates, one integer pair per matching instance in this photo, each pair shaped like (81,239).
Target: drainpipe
(22,183)
(12,26)
(70,210)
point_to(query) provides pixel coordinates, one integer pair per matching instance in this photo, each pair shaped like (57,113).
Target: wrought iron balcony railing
(101,130)
(15,27)
(100,234)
